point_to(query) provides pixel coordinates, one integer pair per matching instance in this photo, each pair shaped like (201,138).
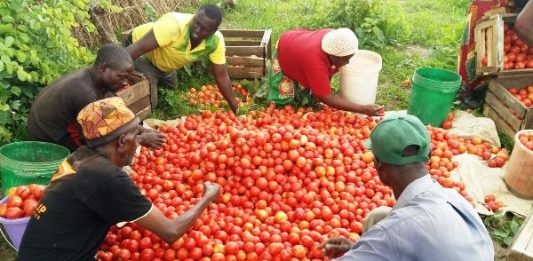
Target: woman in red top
(306,60)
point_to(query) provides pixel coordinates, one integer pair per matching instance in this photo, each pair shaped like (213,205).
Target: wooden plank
(489,44)
(140,105)
(507,98)
(505,113)
(246,61)
(515,72)
(242,43)
(522,248)
(267,43)
(245,72)
(136,92)
(528,119)
(481,47)
(501,125)
(244,50)
(266,37)
(145,113)
(242,33)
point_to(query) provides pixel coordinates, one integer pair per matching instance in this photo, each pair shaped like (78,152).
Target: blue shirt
(427,223)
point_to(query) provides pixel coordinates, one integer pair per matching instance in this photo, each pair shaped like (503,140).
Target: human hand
(152,139)
(211,191)
(373,110)
(336,246)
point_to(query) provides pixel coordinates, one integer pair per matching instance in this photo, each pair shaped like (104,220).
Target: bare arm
(220,72)
(171,230)
(146,44)
(342,104)
(524,24)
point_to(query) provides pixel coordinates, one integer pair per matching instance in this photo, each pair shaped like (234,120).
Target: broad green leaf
(8,19)
(508,241)
(1,66)
(6,59)
(24,37)
(4,107)
(15,90)
(22,28)
(21,56)
(9,41)
(501,233)
(21,74)
(7,28)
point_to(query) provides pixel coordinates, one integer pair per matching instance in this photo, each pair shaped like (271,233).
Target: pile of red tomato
(209,97)
(21,201)
(290,178)
(517,54)
(524,95)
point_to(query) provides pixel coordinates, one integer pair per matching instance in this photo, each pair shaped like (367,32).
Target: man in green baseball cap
(428,221)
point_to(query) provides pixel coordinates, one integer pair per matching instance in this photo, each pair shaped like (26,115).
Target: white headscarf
(340,42)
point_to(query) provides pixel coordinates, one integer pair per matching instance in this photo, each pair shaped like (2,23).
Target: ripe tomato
(14,201)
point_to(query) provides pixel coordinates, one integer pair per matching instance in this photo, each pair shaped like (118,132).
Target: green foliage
(503,228)
(376,23)
(36,48)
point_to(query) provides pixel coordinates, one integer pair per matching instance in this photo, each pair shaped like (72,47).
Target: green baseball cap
(393,134)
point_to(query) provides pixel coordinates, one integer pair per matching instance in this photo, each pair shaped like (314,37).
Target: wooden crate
(522,248)
(137,96)
(509,114)
(248,52)
(489,39)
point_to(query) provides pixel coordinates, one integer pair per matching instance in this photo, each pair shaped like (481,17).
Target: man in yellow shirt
(176,40)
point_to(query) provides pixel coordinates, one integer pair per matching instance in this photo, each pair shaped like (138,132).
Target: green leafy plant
(503,228)
(36,48)
(376,23)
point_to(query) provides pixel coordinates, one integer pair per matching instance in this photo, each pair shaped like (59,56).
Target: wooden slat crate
(489,39)
(522,248)
(509,114)
(248,52)
(137,96)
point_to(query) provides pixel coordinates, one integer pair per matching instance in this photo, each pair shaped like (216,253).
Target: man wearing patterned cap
(428,221)
(306,60)
(89,192)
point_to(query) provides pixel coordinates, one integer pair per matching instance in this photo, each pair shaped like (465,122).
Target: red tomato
(14,201)
(3,208)
(124,254)
(29,206)
(147,254)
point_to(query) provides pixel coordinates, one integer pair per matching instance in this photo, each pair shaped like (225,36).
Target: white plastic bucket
(359,78)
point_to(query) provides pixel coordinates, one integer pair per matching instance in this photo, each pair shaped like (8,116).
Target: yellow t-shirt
(173,36)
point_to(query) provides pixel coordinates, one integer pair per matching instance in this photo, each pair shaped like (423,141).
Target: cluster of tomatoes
(290,178)
(524,95)
(527,140)
(209,97)
(21,201)
(517,54)
(491,203)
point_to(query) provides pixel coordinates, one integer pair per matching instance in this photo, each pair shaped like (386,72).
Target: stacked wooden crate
(509,114)
(248,52)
